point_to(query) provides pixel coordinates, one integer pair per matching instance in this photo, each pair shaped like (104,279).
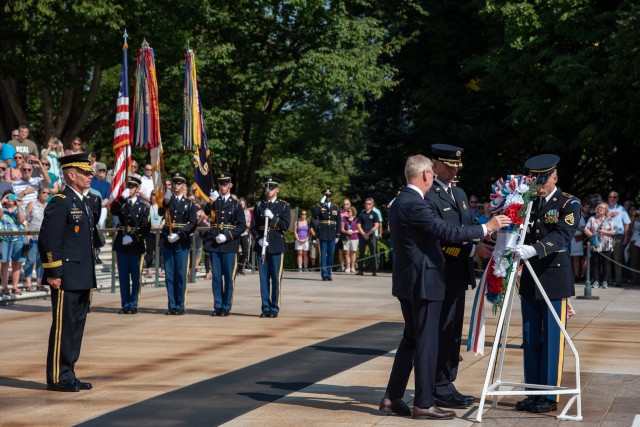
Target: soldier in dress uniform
(554,219)
(329,224)
(450,203)
(222,242)
(180,223)
(129,244)
(66,248)
(277,214)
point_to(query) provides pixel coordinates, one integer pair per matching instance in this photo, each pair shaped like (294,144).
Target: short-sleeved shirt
(103,187)
(367,220)
(620,220)
(7,153)
(20,186)
(25,147)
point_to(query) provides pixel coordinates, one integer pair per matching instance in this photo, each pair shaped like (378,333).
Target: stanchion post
(587,282)
(113,267)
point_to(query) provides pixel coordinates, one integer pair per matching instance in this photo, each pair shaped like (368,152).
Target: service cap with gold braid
(78,161)
(224,178)
(179,178)
(132,181)
(542,166)
(271,182)
(449,155)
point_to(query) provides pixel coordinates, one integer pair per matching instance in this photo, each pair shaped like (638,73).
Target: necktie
(542,202)
(450,193)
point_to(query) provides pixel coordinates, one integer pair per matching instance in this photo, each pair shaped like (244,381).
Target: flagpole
(127,159)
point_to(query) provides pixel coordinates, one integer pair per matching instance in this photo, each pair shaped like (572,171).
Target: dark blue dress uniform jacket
(66,240)
(329,221)
(184,220)
(277,225)
(459,265)
(229,221)
(134,222)
(416,231)
(550,234)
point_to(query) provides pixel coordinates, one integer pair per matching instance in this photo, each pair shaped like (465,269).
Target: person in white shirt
(27,187)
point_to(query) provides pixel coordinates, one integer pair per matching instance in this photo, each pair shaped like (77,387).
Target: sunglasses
(18,157)
(3,169)
(15,136)
(26,170)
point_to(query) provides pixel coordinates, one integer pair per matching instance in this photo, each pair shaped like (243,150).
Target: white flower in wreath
(500,267)
(513,198)
(522,188)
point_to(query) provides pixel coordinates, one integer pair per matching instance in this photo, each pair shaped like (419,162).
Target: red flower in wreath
(495,283)
(512,212)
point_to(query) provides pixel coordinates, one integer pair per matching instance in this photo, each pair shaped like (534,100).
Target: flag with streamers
(146,115)
(477,333)
(194,136)
(121,139)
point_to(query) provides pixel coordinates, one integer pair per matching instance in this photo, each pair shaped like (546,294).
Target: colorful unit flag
(121,140)
(194,136)
(146,115)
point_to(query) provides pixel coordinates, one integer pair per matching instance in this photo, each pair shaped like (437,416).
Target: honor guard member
(554,219)
(222,242)
(329,223)
(450,203)
(180,223)
(277,214)
(129,243)
(66,248)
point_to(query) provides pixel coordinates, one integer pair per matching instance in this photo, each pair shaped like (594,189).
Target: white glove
(127,240)
(324,199)
(526,251)
(262,243)
(126,193)
(221,238)
(173,237)
(337,240)
(268,213)
(213,194)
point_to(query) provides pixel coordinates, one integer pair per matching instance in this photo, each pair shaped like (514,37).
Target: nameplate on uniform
(447,209)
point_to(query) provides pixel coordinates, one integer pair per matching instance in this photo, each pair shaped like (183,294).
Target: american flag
(121,140)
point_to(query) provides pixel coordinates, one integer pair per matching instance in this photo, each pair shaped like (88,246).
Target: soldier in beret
(554,218)
(222,242)
(66,247)
(129,243)
(180,223)
(276,214)
(328,222)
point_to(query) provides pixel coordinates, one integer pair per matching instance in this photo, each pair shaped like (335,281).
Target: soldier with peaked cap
(180,223)
(222,242)
(66,247)
(129,243)
(277,214)
(554,219)
(450,203)
(328,222)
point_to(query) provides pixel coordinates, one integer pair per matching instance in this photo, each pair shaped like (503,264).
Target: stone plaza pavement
(324,361)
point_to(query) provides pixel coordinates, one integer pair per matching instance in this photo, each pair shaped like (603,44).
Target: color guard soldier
(129,243)
(222,242)
(278,215)
(450,203)
(66,248)
(329,225)
(180,223)
(554,218)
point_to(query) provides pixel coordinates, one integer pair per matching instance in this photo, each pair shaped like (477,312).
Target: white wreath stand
(500,345)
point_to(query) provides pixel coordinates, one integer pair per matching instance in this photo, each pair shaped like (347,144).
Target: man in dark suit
(129,243)
(554,218)
(450,203)
(276,214)
(66,247)
(222,242)
(419,285)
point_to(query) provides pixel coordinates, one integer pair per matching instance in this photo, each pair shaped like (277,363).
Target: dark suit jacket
(415,232)
(65,242)
(551,232)
(458,264)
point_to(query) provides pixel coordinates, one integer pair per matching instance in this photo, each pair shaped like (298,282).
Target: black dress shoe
(224,313)
(330,279)
(263,314)
(133,311)
(216,312)
(169,312)
(82,385)
(526,404)
(451,401)
(67,386)
(273,315)
(433,413)
(324,279)
(179,312)
(466,397)
(544,405)
(374,274)
(395,406)
(124,311)
(359,273)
